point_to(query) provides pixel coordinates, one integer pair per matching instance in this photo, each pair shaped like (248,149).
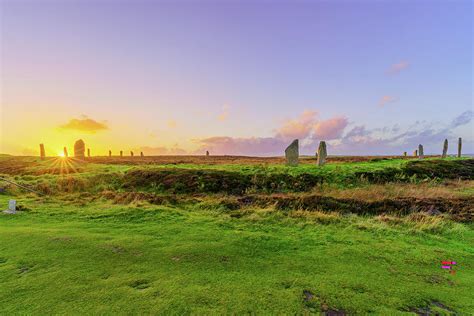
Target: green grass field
(82,249)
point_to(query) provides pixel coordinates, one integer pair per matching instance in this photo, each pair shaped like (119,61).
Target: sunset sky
(236,77)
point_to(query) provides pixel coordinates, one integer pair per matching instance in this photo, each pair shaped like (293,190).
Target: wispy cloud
(393,140)
(172,123)
(162,150)
(462,119)
(388,99)
(396,68)
(85,124)
(224,114)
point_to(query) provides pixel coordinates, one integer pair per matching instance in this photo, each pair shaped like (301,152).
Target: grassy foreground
(80,251)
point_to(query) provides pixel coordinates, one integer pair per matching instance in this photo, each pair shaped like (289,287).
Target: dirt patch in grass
(432,308)
(139,284)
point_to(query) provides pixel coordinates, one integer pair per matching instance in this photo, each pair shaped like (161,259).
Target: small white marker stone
(11,207)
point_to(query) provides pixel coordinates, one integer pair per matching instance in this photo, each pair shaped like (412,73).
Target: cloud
(330,129)
(396,68)
(307,128)
(387,99)
(172,123)
(358,140)
(224,114)
(223,145)
(298,128)
(157,151)
(393,140)
(462,119)
(85,124)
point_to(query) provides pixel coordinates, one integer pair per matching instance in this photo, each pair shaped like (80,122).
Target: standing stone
(65,152)
(110,153)
(11,207)
(141,154)
(121,153)
(322,153)
(404,154)
(207,153)
(292,153)
(79,149)
(415,153)
(459,147)
(445,149)
(131,153)
(42,152)
(88,152)
(420,151)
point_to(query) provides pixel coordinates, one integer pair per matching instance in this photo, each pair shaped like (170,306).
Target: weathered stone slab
(459,147)
(415,153)
(42,152)
(131,153)
(445,149)
(420,152)
(121,153)
(322,153)
(110,153)
(141,154)
(404,154)
(79,149)
(65,152)
(292,154)
(11,207)
(207,153)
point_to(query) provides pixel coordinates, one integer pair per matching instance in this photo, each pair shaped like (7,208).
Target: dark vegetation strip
(218,181)
(460,209)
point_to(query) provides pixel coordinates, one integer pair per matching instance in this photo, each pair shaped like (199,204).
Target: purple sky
(236,77)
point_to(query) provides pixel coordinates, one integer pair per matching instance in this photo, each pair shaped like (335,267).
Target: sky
(236,77)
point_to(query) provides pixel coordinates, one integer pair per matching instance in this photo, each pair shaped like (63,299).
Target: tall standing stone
(65,152)
(420,151)
(207,153)
(322,153)
(404,154)
(79,149)
(459,147)
(121,153)
(445,149)
(292,153)
(141,154)
(42,152)
(131,153)
(88,152)
(415,153)
(110,153)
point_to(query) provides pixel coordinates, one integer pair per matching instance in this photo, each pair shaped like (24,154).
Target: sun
(61,154)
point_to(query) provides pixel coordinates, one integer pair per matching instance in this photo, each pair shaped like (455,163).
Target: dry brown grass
(445,190)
